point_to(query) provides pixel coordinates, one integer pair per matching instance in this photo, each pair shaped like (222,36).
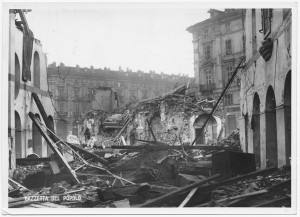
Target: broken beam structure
(217,103)
(170,195)
(208,187)
(227,199)
(87,153)
(53,146)
(167,147)
(44,116)
(56,139)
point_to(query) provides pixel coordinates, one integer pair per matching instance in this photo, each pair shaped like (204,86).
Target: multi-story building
(27,68)
(266,87)
(73,90)
(218,49)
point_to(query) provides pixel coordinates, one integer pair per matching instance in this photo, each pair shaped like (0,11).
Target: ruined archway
(37,138)
(17,76)
(18,135)
(36,70)
(287,116)
(62,129)
(271,129)
(255,126)
(209,134)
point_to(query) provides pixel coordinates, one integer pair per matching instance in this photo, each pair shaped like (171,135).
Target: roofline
(210,21)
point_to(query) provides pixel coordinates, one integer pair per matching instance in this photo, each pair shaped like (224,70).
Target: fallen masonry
(141,156)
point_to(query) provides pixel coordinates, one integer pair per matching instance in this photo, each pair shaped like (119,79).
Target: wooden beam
(252,194)
(87,153)
(53,147)
(151,131)
(121,131)
(271,203)
(170,195)
(168,147)
(217,103)
(237,178)
(44,116)
(188,197)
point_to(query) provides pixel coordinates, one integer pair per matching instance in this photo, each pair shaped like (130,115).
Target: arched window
(255,126)
(271,129)
(18,134)
(209,134)
(36,70)
(17,76)
(37,138)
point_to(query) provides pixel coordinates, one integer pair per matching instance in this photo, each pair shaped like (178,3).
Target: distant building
(218,48)
(77,90)
(266,87)
(27,70)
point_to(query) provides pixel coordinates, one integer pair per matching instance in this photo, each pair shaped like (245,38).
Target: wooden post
(53,147)
(44,116)
(168,196)
(151,131)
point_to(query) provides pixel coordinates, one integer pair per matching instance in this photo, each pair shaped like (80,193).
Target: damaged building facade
(175,119)
(27,68)
(78,90)
(218,48)
(266,87)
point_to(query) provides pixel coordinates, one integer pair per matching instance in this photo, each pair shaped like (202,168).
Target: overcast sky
(138,36)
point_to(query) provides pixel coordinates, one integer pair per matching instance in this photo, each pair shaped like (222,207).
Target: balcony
(207,87)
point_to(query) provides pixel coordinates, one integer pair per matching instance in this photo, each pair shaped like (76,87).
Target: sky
(140,36)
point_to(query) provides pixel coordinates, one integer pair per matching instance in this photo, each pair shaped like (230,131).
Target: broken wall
(170,126)
(23,139)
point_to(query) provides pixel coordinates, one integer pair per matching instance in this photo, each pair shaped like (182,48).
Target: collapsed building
(27,70)
(143,155)
(174,119)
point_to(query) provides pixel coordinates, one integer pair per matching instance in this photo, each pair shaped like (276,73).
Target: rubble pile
(232,140)
(142,157)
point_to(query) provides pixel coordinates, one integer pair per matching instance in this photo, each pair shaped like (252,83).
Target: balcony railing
(206,87)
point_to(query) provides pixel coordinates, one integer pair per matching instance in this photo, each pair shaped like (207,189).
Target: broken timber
(237,178)
(151,131)
(56,139)
(217,103)
(252,194)
(53,146)
(44,116)
(166,197)
(167,147)
(87,153)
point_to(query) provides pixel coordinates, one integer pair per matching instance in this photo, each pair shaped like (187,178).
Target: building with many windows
(77,90)
(218,49)
(266,87)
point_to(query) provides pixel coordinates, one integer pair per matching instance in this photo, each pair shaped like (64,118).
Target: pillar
(281,136)
(263,141)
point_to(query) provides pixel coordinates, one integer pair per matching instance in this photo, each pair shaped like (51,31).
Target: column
(263,140)
(281,136)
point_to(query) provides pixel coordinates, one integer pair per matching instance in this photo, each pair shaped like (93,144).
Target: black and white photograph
(181,107)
